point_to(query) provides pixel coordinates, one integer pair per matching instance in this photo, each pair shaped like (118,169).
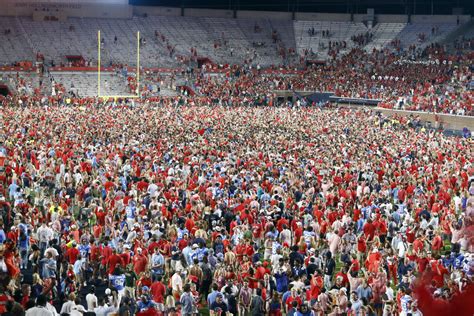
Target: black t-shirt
(311,269)
(232,304)
(330,266)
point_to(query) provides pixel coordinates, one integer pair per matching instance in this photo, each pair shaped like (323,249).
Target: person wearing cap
(219,307)
(78,310)
(140,261)
(329,267)
(145,303)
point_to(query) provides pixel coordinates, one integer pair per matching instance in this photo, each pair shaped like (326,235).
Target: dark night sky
(343,6)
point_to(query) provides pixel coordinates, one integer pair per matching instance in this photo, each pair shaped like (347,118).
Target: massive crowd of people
(220,201)
(180,210)
(430,80)
(433,82)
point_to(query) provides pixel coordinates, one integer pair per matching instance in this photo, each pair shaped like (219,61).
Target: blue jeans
(43,245)
(24,257)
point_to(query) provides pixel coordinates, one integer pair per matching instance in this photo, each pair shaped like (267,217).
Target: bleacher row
(259,42)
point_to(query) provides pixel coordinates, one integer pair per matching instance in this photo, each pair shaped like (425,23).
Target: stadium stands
(423,34)
(167,41)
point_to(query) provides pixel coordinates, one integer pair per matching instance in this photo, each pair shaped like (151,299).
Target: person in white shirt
(285,235)
(402,248)
(388,299)
(103,309)
(77,310)
(53,251)
(44,234)
(152,189)
(91,300)
(67,307)
(405,302)
(40,309)
(177,282)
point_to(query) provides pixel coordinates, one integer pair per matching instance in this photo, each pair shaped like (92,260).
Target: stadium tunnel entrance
(4,90)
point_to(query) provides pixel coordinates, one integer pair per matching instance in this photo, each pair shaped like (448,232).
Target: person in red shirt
(158,291)
(369,229)
(361,248)
(282,221)
(4,298)
(316,284)
(114,261)
(439,271)
(436,244)
(373,260)
(10,258)
(418,244)
(140,262)
(72,253)
(189,224)
(342,274)
(422,262)
(26,291)
(126,256)
(259,271)
(294,297)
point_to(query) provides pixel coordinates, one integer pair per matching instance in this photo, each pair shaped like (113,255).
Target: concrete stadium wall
(336,17)
(209,13)
(103,10)
(264,15)
(455,122)
(391,18)
(92,10)
(162,11)
(439,18)
(360,17)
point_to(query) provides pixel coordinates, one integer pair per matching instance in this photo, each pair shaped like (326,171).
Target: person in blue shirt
(117,280)
(130,210)
(211,298)
(3,237)
(182,231)
(12,189)
(48,266)
(458,261)
(157,264)
(23,245)
(145,303)
(84,249)
(304,311)
(281,278)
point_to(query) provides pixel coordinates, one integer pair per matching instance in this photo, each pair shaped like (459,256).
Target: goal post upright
(138,63)
(98,63)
